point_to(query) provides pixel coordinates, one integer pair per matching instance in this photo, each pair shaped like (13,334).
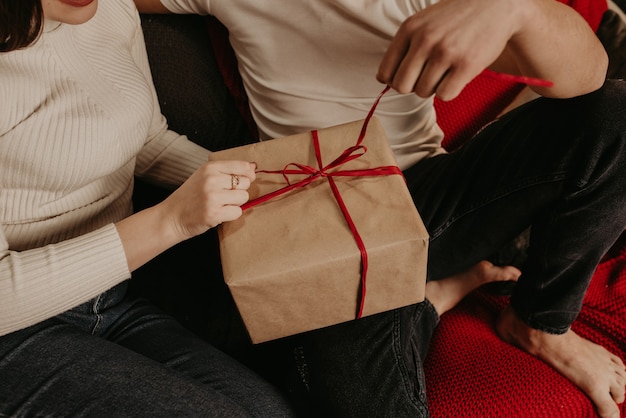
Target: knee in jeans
(606,106)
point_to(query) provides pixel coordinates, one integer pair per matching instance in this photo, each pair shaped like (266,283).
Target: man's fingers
(390,63)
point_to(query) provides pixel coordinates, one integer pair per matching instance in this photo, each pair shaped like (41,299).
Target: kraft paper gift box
(292,263)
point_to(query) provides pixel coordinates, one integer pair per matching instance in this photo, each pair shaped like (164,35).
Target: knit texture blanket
(470,372)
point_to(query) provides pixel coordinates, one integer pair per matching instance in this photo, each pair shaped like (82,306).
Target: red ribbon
(530,81)
(324,171)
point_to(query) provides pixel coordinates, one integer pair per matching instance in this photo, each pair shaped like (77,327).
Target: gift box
(296,261)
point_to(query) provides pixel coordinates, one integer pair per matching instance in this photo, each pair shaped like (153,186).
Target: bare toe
(618,388)
(504,273)
(485,272)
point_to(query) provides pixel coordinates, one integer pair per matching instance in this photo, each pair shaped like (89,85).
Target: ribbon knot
(329,173)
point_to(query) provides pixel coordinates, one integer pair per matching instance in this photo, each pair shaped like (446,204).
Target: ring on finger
(234,181)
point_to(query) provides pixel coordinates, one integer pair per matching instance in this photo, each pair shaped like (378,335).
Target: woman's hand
(210,196)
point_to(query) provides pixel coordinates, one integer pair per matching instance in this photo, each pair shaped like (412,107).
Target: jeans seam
(400,362)
(96,311)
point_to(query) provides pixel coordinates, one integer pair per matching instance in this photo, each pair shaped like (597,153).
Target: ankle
(514,331)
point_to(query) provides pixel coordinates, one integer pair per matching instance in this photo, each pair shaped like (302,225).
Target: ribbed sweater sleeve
(170,160)
(167,157)
(38,284)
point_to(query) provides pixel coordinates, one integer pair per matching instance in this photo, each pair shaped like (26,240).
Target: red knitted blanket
(470,372)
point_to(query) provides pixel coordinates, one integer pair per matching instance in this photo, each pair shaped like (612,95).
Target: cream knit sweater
(79,118)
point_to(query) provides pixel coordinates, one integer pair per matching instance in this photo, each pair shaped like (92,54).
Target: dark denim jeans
(371,367)
(118,356)
(558,166)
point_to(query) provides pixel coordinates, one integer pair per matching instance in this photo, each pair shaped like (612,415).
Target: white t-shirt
(310,64)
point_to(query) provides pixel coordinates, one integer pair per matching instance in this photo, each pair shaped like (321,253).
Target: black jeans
(117,356)
(558,166)
(370,367)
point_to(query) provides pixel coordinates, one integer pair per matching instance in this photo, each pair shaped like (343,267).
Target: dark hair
(21,22)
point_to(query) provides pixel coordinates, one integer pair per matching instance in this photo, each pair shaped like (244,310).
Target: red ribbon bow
(326,171)
(352,153)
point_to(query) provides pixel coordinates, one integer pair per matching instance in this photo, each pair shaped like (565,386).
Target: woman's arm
(42,282)
(205,200)
(203,197)
(39,283)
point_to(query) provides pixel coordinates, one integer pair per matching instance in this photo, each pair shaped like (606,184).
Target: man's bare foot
(446,293)
(597,372)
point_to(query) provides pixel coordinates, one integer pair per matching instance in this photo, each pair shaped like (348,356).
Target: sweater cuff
(61,276)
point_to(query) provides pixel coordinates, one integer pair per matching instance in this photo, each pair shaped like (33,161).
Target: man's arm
(150,6)
(442,48)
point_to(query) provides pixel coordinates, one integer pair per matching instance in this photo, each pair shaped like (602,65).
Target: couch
(470,371)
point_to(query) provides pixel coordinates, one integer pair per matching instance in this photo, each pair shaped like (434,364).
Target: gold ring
(234,181)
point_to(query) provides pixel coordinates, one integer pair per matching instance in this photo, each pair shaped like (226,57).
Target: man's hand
(442,48)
